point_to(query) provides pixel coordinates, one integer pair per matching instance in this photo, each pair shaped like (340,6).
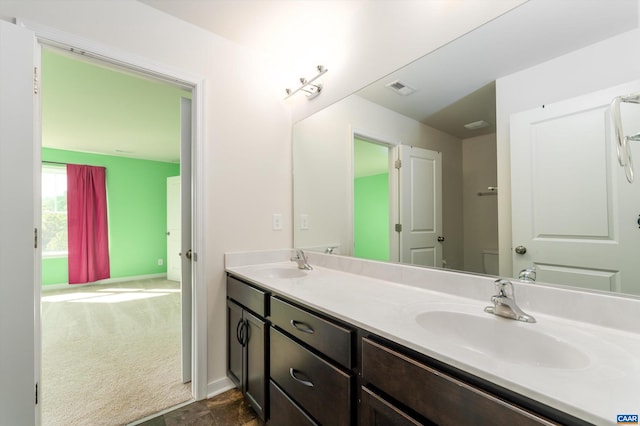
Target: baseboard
(218,386)
(63,286)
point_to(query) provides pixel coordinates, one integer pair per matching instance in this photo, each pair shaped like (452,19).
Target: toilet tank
(490,263)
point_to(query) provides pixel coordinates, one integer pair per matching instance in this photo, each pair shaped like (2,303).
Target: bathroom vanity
(347,343)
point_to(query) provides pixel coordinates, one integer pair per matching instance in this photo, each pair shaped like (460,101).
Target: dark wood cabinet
(327,337)
(235,348)
(319,387)
(434,395)
(284,411)
(247,341)
(376,411)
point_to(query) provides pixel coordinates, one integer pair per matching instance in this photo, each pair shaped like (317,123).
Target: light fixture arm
(307,86)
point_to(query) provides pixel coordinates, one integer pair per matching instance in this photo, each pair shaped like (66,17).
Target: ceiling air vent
(400,88)
(476,125)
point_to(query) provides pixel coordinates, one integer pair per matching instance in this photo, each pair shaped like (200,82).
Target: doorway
(137,186)
(372,206)
(397,202)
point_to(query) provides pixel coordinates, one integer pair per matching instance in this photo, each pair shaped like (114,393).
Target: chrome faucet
(301,259)
(528,275)
(504,303)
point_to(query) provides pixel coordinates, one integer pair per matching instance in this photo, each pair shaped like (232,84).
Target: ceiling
(264,25)
(454,84)
(89,107)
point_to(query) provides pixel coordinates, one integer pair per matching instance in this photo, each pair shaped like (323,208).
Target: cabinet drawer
(327,337)
(435,395)
(378,412)
(285,412)
(250,297)
(322,389)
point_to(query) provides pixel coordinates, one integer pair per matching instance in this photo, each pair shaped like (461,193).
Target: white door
(174,239)
(420,206)
(19,190)
(573,211)
(186,286)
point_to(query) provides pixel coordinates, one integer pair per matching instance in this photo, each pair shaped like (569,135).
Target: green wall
(137,197)
(371,217)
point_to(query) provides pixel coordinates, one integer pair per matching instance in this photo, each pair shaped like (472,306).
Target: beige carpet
(111,353)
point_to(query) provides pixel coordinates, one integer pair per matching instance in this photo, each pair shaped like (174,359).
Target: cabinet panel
(378,412)
(234,345)
(255,385)
(435,395)
(250,297)
(285,412)
(327,337)
(322,389)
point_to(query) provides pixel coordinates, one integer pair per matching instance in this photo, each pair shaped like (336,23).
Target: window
(54,211)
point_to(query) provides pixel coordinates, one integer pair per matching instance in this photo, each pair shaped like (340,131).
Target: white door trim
(52,36)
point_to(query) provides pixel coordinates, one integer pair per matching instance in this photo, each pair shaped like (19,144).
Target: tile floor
(226,409)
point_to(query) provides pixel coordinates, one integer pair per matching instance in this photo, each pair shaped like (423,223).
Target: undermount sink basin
(282,273)
(503,339)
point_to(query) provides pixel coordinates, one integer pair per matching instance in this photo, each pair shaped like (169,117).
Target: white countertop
(602,383)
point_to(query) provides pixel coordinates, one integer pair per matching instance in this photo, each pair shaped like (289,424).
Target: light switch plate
(304,221)
(277,222)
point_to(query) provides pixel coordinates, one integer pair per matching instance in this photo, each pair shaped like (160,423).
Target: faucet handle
(504,288)
(528,274)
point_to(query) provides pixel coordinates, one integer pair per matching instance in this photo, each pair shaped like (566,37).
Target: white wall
(322,174)
(605,64)
(247,152)
(480,212)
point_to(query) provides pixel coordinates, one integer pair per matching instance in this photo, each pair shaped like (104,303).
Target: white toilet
(490,263)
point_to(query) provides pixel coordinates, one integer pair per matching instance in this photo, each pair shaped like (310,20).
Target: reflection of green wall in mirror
(370,200)
(371,217)
(137,203)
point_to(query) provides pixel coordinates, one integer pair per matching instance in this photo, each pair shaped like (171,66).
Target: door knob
(188,254)
(521,249)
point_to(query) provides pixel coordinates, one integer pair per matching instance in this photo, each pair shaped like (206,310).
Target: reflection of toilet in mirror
(490,264)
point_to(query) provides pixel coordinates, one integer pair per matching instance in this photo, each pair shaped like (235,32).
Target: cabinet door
(255,385)
(234,345)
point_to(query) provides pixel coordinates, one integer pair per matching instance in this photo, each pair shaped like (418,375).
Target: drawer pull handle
(293,372)
(301,326)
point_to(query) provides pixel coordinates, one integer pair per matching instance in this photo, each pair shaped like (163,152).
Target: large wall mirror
(491,155)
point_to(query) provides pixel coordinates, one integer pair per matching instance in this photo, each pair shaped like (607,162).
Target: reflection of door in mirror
(420,206)
(576,216)
(397,203)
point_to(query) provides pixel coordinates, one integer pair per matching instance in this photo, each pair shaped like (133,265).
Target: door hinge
(36,393)
(398,164)
(35,237)
(35,81)
(398,227)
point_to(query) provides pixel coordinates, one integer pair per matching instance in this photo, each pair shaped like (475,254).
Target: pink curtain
(87,224)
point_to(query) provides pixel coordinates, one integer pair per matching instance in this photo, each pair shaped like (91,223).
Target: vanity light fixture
(308,86)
